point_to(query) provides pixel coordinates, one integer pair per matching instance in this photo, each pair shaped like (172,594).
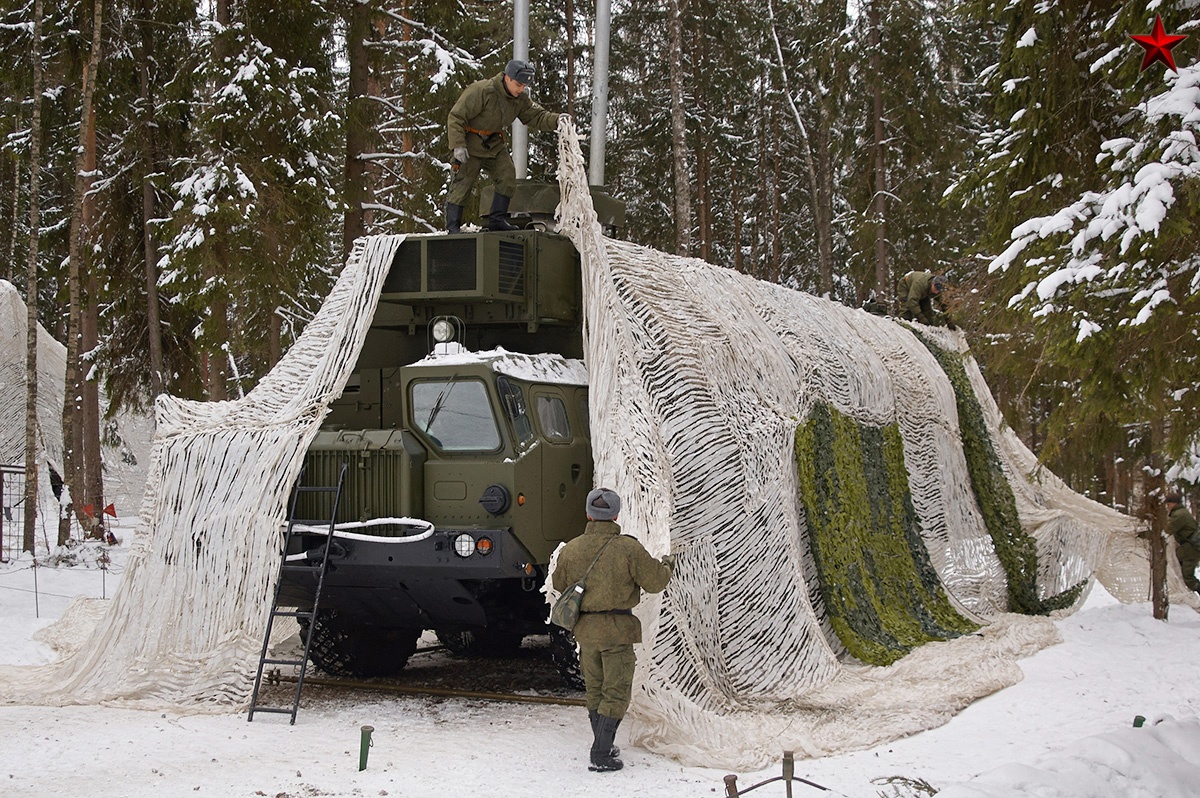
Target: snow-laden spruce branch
(1106,239)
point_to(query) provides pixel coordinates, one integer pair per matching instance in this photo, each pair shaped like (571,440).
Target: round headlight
(464,545)
(443,331)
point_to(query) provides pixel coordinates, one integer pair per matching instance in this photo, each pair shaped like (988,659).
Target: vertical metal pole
(37,609)
(520,133)
(599,93)
(364,746)
(731,789)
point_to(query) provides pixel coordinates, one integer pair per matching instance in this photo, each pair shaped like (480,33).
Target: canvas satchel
(566,609)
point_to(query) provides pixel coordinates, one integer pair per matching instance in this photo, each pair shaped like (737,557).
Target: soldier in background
(1181,524)
(607,627)
(476,128)
(919,289)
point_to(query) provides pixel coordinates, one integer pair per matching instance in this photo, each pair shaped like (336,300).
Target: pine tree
(252,223)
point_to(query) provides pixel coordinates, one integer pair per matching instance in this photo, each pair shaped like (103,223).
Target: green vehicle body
(486,440)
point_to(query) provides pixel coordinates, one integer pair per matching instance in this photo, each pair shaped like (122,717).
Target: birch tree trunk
(683,198)
(74,459)
(32,453)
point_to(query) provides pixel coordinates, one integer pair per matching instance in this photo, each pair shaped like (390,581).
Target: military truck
(464,428)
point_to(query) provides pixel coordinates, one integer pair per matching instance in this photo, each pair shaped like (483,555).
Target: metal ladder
(311,615)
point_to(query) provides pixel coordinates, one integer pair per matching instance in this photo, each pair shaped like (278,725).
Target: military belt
(484,133)
(607,612)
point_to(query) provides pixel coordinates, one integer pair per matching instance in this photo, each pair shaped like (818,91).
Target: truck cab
(464,429)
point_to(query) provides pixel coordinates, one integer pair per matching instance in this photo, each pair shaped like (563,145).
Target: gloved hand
(461,155)
(669,561)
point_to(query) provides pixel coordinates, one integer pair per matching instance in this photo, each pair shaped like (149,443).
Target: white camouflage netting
(185,627)
(52,366)
(126,437)
(698,379)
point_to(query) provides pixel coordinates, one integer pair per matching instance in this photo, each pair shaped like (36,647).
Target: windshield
(455,415)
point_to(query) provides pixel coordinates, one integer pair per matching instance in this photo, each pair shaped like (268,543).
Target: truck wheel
(341,649)
(484,642)
(564,652)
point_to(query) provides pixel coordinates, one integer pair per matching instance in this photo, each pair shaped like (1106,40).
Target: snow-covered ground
(1065,730)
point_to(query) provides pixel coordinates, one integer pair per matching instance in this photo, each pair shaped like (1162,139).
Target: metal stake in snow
(364,746)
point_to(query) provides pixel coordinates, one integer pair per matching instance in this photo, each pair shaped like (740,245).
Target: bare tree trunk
(358,127)
(149,245)
(216,359)
(736,209)
(16,210)
(74,460)
(32,454)
(1154,513)
(818,165)
(824,208)
(882,283)
(275,344)
(683,199)
(570,22)
(776,210)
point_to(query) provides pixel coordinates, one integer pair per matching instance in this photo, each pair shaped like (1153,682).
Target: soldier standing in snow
(476,128)
(1181,524)
(607,627)
(920,289)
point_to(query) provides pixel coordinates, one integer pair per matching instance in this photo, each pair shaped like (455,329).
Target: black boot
(496,220)
(602,756)
(594,717)
(453,218)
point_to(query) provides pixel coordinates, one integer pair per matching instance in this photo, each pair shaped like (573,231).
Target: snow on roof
(547,368)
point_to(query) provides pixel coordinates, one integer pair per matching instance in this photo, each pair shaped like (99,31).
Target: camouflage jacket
(486,106)
(1181,524)
(615,583)
(919,286)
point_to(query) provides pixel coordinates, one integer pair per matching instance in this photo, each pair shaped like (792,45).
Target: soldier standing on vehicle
(476,128)
(1187,534)
(607,627)
(920,288)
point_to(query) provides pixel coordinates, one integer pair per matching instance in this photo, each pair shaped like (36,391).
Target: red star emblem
(1158,45)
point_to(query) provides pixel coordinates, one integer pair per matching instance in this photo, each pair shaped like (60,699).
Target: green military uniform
(1181,524)
(478,121)
(918,305)
(607,629)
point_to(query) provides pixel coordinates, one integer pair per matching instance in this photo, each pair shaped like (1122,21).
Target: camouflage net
(708,393)
(833,483)
(185,627)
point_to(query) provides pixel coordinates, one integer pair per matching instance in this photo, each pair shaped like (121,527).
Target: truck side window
(456,415)
(513,402)
(552,415)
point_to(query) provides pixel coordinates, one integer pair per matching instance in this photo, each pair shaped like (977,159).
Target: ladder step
(294,613)
(283,661)
(308,568)
(316,489)
(275,710)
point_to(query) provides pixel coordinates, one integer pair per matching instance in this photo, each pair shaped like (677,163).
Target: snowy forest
(180,181)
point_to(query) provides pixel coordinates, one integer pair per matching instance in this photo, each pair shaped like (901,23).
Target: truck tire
(485,642)
(564,652)
(340,649)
